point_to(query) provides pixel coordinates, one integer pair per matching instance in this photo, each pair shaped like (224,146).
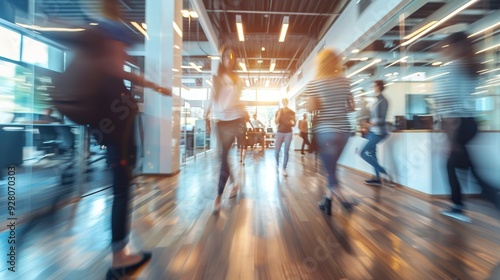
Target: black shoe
(373,182)
(122,272)
(326,206)
(348,206)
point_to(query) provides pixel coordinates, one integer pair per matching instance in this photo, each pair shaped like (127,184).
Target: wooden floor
(272,230)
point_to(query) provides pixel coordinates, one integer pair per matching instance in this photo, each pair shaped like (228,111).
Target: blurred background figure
(258,133)
(363,115)
(285,119)
(243,139)
(304,133)
(455,106)
(229,114)
(329,93)
(257,124)
(377,131)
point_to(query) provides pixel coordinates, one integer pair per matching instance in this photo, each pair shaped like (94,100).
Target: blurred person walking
(109,108)
(455,106)
(329,94)
(285,119)
(304,133)
(377,131)
(229,115)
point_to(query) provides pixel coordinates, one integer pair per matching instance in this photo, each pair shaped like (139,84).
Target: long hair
(460,47)
(328,64)
(223,71)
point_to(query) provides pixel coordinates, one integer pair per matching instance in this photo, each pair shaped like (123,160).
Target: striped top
(333,94)
(453,91)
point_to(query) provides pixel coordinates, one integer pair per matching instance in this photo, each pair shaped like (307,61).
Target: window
(11,44)
(35,52)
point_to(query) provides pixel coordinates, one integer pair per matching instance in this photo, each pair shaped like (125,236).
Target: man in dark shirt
(285,119)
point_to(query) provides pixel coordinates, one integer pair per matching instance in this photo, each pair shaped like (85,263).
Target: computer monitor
(422,122)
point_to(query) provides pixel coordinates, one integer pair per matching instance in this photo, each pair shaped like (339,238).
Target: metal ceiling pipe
(205,23)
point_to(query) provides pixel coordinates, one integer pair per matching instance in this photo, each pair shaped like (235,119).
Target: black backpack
(78,90)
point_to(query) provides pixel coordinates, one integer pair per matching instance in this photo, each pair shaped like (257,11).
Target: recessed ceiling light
(355,51)
(260,61)
(263,49)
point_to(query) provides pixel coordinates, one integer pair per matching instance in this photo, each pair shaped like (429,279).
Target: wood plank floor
(272,230)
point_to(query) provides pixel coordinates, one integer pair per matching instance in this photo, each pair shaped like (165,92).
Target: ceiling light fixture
(94,23)
(193,14)
(438,23)
(403,59)
(138,27)
(438,75)
(239,28)
(357,82)
(284,28)
(198,68)
(364,67)
(177,29)
(419,30)
(488,48)
(355,51)
(243,66)
(484,30)
(437,63)
(489,71)
(273,65)
(489,60)
(40,28)
(185,13)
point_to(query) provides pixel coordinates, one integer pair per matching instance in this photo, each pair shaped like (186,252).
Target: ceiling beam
(271,13)
(205,23)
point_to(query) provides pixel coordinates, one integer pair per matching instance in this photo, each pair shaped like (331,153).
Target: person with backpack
(92,92)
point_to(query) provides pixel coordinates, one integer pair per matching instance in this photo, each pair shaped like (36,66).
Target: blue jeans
(278,141)
(369,152)
(330,146)
(227,131)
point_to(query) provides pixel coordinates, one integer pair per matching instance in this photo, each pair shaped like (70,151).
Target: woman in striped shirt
(330,98)
(455,106)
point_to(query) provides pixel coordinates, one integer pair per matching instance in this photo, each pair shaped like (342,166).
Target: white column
(161,113)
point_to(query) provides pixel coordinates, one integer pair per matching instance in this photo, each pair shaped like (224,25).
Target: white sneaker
(234,191)
(456,215)
(284,172)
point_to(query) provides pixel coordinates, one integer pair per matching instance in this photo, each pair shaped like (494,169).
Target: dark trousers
(305,136)
(227,131)
(460,131)
(369,152)
(120,218)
